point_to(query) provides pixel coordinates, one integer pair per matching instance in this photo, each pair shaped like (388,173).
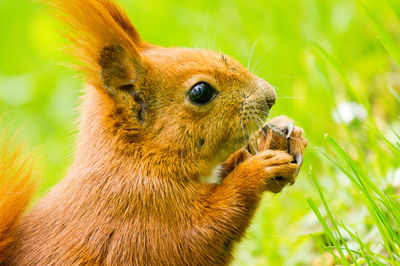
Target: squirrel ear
(120,73)
(118,69)
(104,38)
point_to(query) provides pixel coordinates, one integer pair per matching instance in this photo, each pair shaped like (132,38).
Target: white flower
(347,112)
(393,177)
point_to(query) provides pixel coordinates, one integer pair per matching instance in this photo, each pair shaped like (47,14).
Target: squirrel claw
(298,158)
(290,129)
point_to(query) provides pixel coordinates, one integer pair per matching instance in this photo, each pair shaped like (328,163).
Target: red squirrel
(154,123)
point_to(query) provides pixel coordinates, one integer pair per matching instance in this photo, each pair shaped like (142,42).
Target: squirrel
(154,123)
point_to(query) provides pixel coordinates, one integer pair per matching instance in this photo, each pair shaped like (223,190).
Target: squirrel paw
(281,134)
(277,150)
(275,167)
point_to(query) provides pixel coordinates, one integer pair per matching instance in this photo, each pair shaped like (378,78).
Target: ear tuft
(100,32)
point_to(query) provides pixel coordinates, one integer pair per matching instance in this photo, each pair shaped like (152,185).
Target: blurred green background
(332,74)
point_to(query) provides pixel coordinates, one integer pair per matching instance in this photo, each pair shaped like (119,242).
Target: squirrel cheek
(249,116)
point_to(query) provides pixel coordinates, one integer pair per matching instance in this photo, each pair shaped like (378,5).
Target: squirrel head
(192,104)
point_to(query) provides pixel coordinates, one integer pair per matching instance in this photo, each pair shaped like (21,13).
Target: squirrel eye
(201,93)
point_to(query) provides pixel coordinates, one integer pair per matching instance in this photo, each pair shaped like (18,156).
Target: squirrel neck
(101,174)
(99,151)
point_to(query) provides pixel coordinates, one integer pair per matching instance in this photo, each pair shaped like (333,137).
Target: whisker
(262,70)
(284,97)
(262,122)
(237,144)
(268,114)
(248,136)
(244,134)
(256,150)
(274,141)
(280,76)
(206,43)
(259,59)
(251,53)
(215,39)
(251,142)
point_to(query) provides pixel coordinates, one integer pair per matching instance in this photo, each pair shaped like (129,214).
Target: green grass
(378,197)
(383,214)
(323,56)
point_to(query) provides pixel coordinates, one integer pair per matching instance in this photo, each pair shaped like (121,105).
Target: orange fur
(134,195)
(17,186)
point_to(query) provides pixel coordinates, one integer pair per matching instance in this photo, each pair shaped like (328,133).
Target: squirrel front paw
(275,167)
(279,146)
(281,134)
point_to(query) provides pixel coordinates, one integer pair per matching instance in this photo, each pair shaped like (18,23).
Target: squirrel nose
(264,94)
(271,94)
(270,102)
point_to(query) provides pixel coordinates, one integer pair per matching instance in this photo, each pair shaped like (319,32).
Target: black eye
(201,93)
